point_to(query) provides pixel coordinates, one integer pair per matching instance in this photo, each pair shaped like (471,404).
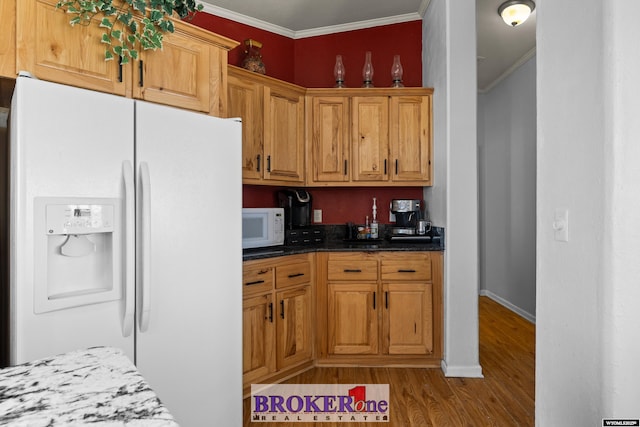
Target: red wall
(338,205)
(277,51)
(309,62)
(316,56)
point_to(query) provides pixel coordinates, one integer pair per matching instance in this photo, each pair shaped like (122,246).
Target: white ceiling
(500,48)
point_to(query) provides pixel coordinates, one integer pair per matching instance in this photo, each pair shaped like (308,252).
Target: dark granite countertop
(337,243)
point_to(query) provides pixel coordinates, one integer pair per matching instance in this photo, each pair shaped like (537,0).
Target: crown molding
(524,58)
(320,31)
(247,20)
(423,7)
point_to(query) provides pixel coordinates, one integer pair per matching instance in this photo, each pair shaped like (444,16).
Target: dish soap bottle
(374,221)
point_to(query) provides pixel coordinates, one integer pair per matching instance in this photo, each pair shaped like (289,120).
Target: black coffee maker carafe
(297,207)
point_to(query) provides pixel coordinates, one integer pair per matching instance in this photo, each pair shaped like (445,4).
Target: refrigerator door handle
(145,311)
(129,246)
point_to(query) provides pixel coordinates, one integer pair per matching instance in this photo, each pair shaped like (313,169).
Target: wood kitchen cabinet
(8,39)
(50,49)
(369,137)
(328,133)
(380,307)
(258,337)
(272,113)
(277,317)
(190,71)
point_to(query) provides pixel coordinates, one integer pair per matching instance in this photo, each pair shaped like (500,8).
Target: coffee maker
(408,213)
(297,207)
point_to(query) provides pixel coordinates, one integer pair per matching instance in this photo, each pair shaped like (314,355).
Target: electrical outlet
(317,216)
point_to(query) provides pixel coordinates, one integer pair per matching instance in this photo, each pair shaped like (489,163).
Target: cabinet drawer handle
(406,271)
(352,270)
(295,275)
(257,282)
(258,163)
(282,308)
(271,312)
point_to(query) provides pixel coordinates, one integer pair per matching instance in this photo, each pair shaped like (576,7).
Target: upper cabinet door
(8,39)
(370,138)
(410,138)
(284,134)
(177,75)
(245,101)
(328,119)
(50,49)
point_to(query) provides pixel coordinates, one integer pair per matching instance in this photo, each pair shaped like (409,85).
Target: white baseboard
(461,371)
(531,318)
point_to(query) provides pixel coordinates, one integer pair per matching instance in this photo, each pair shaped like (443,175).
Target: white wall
(588,156)
(621,343)
(507,190)
(449,29)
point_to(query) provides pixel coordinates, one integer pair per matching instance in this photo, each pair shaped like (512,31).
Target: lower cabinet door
(258,340)
(294,334)
(353,318)
(407,318)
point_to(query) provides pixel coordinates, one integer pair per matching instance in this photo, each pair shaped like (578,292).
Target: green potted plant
(130,25)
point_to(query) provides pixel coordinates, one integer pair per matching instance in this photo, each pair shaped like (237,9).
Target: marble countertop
(97,386)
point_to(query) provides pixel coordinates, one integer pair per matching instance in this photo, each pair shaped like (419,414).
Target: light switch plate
(317,216)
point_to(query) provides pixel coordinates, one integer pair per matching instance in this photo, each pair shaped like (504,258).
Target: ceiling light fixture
(515,12)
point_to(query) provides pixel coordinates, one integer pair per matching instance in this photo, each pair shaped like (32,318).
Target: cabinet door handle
(352,270)
(257,282)
(345,166)
(120,71)
(268,163)
(258,163)
(385,166)
(386,299)
(141,74)
(374,300)
(396,166)
(295,275)
(271,312)
(406,271)
(282,308)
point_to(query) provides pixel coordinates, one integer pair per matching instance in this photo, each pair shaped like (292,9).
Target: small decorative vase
(253,60)
(367,71)
(339,72)
(396,72)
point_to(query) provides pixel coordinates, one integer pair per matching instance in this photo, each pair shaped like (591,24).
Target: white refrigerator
(125,231)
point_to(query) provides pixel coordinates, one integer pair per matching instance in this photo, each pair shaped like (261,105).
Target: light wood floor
(424,397)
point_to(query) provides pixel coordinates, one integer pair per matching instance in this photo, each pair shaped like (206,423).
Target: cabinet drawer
(355,269)
(396,267)
(293,274)
(257,279)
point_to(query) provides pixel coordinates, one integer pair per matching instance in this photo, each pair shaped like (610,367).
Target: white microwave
(262,227)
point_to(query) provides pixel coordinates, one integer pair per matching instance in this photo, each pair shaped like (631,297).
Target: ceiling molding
(423,7)
(247,20)
(321,31)
(524,58)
